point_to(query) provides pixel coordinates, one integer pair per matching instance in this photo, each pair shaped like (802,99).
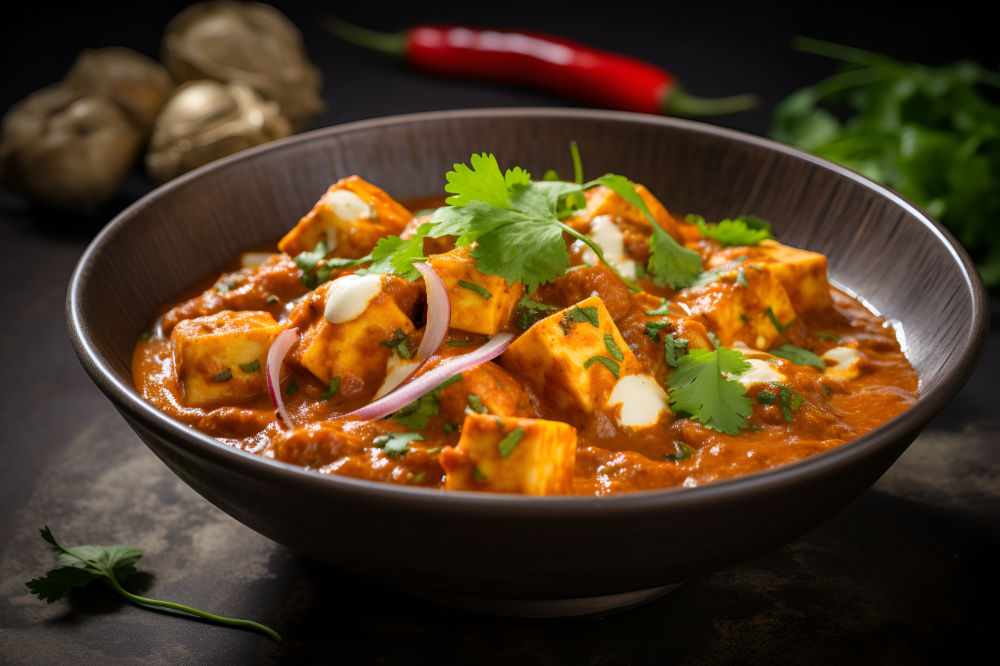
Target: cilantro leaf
(743,230)
(392,254)
(699,388)
(670,261)
(799,356)
(418,413)
(81,565)
(396,443)
(673,349)
(510,441)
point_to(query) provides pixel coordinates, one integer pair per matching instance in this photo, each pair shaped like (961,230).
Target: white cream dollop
(760,372)
(349,296)
(845,362)
(606,233)
(348,206)
(641,398)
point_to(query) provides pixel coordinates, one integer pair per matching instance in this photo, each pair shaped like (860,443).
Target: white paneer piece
(843,363)
(350,218)
(220,358)
(611,240)
(643,401)
(574,357)
(480,303)
(506,454)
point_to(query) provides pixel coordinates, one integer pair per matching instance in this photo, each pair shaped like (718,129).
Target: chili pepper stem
(391,43)
(679,102)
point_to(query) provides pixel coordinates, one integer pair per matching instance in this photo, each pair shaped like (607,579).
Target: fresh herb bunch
(930,133)
(81,565)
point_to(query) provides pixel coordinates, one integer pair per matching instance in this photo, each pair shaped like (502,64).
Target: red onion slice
(410,391)
(438,312)
(275,355)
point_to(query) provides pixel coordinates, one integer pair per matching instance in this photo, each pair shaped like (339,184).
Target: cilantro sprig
(743,230)
(699,387)
(516,226)
(81,565)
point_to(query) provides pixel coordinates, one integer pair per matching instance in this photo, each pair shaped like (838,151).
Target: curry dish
(524,336)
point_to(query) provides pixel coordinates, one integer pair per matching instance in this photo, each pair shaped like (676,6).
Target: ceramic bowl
(510,554)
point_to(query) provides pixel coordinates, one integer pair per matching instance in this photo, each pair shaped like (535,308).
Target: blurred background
(903,576)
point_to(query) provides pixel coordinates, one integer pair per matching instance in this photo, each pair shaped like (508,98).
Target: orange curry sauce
(762,297)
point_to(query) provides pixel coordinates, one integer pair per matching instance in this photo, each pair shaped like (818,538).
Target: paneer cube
(745,304)
(511,455)
(802,273)
(480,303)
(604,201)
(574,358)
(351,217)
(220,358)
(355,349)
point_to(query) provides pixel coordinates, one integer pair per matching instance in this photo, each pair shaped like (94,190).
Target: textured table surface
(906,574)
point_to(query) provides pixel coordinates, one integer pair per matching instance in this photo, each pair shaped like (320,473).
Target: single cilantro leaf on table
(699,387)
(81,565)
(743,230)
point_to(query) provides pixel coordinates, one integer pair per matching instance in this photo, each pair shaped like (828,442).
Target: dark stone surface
(906,574)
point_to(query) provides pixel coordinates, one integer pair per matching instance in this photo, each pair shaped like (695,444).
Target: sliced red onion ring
(410,391)
(275,355)
(438,312)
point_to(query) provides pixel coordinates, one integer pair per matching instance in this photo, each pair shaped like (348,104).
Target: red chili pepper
(546,62)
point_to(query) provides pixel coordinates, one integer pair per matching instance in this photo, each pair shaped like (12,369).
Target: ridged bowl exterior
(505,547)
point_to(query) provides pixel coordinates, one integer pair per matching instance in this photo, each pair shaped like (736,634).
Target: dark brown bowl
(552,555)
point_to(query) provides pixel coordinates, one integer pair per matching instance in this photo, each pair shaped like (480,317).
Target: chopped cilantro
(714,338)
(145,335)
(799,356)
(765,397)
(448,428)
(396,443)
(699,388)
(433,451)
(416,478)
(603,360)
(717,273)
(609,344)
(293,387)
(332,391)
(223,376)
(741,277)
(252,366)
(653,329)
(743,230)
(683,452)
(826,389)
(745,319)
(477,475)
(272,299)
(458,343)
(509,442)
(398,344)
(392,254)
(673,349)
(661,311)
(476,404)
(418,413)
(479,289)
(828,336)
(528,312)
(788,400)
(587,313)
(777,322)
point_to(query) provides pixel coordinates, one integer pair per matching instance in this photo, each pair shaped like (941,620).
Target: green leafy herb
(272,299)
(826,389)
(145,335)
(293,387)
(112,565)
(788,400)
(395,444)
(766,397)
(416,478)
(528,312)
(510,441)
(673,349)
(587,313)
(448,428)
(653,329)
(828,336)
(332,391)
(223,376)
(609,344)
(777,322)
(317,269)
(930,133)
(699,387)
(683,452)
(398,344)
(713,338)
(479,289)
(252,366)
(477,475)
(661,311)
(603,360)
(458,343)
(743,230)
(741,277)
(476,404)
(799,356)
(418,413)
(745,319)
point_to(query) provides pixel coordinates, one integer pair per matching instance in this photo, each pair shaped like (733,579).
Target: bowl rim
(811,468)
